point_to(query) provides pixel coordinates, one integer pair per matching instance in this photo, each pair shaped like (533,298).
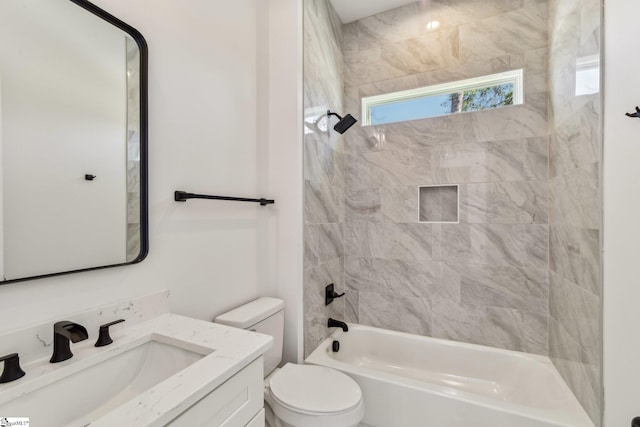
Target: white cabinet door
(234,404)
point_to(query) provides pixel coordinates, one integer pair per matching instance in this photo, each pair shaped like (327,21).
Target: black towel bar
(183,196)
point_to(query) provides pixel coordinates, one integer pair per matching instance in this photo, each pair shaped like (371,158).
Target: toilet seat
(314,390)
(314,396)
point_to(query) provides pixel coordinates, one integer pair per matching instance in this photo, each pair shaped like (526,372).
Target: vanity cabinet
(238,402)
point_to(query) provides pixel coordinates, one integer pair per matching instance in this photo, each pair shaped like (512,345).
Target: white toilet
(297,395)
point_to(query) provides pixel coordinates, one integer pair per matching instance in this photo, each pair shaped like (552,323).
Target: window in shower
(479,93)
(588,75)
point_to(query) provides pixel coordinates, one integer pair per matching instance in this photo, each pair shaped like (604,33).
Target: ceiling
(352,10)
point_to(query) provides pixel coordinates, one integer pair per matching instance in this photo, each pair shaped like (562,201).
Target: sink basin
(115,377)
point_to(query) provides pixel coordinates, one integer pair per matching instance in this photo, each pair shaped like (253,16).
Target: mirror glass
(72,139)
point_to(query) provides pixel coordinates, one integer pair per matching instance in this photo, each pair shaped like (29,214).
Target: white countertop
(230,350)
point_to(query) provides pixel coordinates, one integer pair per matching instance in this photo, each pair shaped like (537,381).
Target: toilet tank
(264,315)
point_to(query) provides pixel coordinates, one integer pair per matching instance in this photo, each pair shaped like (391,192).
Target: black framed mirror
(73,140)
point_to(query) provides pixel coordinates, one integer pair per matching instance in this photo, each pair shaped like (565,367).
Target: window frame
(514,77)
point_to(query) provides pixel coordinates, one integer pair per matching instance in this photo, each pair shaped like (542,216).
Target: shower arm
(331,113)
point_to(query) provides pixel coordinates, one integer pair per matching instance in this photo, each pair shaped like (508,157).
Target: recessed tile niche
(439,203)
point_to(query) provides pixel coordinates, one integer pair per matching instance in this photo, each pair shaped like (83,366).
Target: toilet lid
(314,389)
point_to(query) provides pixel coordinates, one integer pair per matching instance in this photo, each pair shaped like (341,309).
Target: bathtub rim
(575,415)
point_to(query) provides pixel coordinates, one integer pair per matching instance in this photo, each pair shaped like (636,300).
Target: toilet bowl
(297,395)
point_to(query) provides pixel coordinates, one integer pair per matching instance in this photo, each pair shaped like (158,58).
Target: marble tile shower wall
(483,280)
(323,169)
(575,336)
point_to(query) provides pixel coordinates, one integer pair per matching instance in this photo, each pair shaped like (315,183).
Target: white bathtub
(414,381)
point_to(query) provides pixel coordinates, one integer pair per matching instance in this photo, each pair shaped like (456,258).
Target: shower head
(344,124)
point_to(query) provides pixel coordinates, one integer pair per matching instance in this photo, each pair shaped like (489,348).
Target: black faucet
(63,332)
(337,324)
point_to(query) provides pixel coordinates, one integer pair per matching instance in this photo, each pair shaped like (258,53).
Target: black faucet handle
(103,337)
(12,370)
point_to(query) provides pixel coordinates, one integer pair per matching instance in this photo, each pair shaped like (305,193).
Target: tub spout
(337,324)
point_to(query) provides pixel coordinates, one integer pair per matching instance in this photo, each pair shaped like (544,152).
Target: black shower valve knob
(330,294)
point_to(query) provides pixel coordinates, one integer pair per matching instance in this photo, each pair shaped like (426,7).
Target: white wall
(208,131)
(284,107)
(621,215)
